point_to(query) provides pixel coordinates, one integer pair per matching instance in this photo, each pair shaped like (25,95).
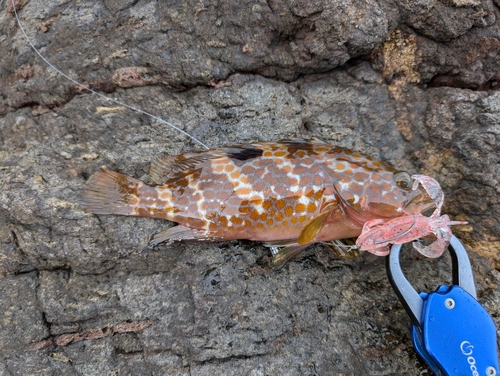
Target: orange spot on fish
(219,168)
(243,191)
(280,204)
(305,181)
(236,220)
(255,215)
(361,176)
(229,168)
(386,186)
(279,216)
(256,201)
(300,207)
(247,169)
(235,174)
(279,153)
(321,148)
(263,216)
(388,196)
(288,211)
(311,207)
(291,182)
(164,195)
(266,204)
(269,222)
(339,166)
(259,186)
(375,188)
(244,209)
(356,188)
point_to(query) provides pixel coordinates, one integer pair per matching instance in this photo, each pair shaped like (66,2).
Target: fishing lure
(377,234)
(288,194)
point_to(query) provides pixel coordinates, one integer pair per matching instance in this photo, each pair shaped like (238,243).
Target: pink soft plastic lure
(377,234)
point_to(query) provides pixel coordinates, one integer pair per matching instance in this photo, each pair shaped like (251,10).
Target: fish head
(398,197)
(371,189)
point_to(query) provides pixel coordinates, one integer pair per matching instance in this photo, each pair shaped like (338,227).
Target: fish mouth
(418,201)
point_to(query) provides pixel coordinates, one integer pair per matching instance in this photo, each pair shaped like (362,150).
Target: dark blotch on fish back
(245,154)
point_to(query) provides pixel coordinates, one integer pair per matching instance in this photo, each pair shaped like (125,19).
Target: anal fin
(181,233)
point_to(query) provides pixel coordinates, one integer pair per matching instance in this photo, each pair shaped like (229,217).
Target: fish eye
(403,180)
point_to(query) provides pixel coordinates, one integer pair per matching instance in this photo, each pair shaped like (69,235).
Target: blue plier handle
(451,331)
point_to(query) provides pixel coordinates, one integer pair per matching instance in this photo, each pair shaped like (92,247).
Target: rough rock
(83,294)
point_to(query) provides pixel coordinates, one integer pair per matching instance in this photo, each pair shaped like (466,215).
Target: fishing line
(95,92)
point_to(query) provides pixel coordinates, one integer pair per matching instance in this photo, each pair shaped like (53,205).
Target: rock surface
(83,294)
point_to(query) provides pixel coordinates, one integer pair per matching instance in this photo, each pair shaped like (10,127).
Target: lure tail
(111,192)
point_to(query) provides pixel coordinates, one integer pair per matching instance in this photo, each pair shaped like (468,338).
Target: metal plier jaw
(450,330)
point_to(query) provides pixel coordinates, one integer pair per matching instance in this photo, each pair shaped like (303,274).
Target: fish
(288,194)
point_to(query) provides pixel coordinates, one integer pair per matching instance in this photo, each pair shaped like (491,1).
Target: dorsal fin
(165,166)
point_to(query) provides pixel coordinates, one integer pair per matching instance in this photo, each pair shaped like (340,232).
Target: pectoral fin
(315,225)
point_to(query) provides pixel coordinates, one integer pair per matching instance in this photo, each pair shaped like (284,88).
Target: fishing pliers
(451,330)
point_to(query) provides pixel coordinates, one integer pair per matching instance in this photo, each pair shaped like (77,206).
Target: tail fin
(110,192)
